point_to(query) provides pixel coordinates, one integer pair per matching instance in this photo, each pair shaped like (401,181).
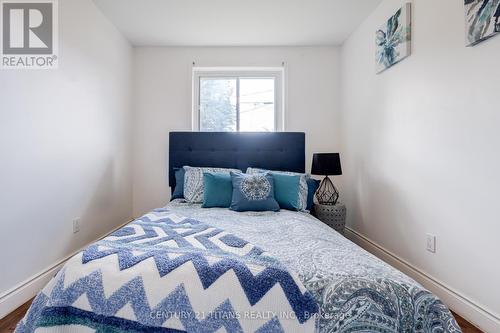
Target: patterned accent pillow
(253,192)
(303,188)
(193,182)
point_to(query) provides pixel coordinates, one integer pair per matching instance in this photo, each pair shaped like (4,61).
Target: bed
(186,268)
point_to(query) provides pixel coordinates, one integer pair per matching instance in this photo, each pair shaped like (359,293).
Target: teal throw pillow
(286,190)
(218,190)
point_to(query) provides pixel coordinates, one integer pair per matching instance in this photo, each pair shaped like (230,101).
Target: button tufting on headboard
(236,150)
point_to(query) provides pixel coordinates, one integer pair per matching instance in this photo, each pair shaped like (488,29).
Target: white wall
(420,148)
(163,103)
(65,146)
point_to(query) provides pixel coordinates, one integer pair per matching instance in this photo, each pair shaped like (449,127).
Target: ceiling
(236,22)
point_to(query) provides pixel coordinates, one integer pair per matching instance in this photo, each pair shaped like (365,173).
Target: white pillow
(303,188)
(193,182)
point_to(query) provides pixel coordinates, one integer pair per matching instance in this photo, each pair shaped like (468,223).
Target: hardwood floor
(465,325)
(8,324)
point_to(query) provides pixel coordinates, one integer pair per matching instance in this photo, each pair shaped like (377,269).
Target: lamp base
(327,193)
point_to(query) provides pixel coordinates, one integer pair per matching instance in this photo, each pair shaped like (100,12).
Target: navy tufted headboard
(274,151)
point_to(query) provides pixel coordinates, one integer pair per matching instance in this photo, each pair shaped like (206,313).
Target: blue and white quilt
(185,268)
(169,273)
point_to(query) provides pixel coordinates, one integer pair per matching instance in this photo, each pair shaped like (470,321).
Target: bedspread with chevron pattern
(168,273)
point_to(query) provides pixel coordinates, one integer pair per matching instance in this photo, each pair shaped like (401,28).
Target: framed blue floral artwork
(393,39)
(482,20)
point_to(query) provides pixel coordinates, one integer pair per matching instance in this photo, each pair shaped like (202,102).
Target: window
(248,100)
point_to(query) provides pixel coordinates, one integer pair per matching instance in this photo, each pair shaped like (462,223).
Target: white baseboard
(470,310)
(21,293)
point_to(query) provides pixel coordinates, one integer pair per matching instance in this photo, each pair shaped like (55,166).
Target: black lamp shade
(327,164)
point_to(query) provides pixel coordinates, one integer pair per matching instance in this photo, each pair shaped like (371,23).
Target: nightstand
(333,216)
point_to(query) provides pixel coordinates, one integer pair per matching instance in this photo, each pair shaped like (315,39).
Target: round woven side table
(332,215)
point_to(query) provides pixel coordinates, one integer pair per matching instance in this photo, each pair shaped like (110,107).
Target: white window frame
(278,73)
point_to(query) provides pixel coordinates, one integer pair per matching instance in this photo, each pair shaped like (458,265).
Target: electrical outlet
(431,243)
(76,225)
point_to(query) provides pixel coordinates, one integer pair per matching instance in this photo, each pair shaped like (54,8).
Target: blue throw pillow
(218,190)
(312,186)
(286,190)
(179,184)
(253,192)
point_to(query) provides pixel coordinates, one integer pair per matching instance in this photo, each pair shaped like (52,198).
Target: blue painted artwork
(482,19)
(393,40)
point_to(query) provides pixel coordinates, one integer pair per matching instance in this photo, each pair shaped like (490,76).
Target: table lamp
(326,164)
